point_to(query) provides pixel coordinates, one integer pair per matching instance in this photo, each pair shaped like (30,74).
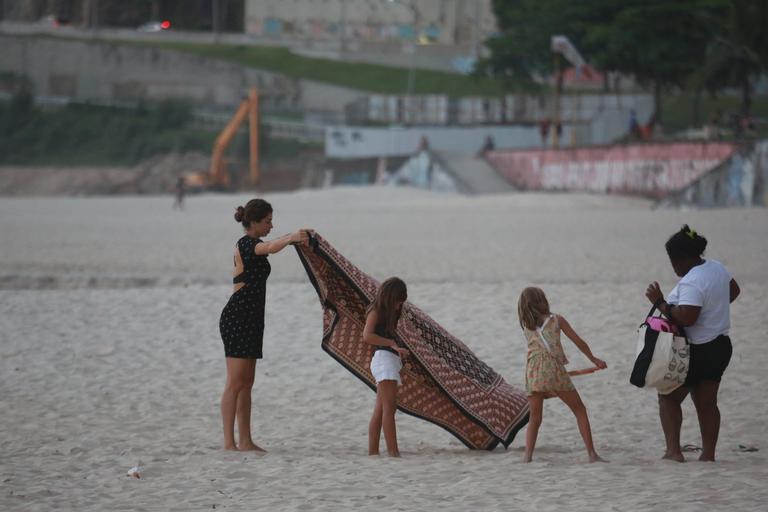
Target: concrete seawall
(708,174)
(741,180)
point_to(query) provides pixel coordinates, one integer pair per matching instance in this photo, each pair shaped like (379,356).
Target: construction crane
(218,177)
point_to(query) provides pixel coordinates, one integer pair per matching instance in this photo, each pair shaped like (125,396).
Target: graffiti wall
(741,180)
(651,170)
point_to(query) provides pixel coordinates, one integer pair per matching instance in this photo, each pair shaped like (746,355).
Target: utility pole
(343,28)
(476,30)
(411,5)
(560,45)
(412,68)
(94,15)
(215,19)
(556,103)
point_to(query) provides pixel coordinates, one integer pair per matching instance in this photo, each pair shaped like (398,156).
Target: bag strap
(540,332)
(650,313)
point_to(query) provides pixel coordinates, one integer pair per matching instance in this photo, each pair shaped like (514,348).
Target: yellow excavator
(218,178)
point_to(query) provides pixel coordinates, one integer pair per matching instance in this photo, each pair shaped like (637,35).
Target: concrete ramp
(475,175)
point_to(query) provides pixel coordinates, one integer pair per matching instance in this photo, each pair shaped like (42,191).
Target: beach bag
(662,356)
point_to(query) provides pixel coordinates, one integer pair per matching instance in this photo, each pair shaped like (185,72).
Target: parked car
(52,21)
(154,26)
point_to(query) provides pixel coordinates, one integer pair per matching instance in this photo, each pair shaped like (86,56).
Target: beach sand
(110,354)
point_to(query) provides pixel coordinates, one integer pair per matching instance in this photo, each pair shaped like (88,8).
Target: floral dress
(545,370)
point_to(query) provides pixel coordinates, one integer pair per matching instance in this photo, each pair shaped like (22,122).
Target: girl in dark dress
(242,320)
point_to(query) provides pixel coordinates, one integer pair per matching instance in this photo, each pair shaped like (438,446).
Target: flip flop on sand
(690,448)
(746,448)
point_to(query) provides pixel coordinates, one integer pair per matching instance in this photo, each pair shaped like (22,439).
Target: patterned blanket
(442,380)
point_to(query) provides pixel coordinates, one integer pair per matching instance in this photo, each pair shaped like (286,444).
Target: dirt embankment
(156,175)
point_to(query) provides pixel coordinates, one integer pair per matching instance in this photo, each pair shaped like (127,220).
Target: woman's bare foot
(527,458)
(251,447)
(230,447)
(395,454)
(372,454)
(677,457)
(594,457)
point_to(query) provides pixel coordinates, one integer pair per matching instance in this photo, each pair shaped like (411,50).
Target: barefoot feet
(594,457)
(250,446)
(676,457)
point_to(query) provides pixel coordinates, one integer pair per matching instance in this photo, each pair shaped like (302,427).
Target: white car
(52,21)
(154,26)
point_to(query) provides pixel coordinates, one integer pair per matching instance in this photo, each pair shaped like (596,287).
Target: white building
(463,23)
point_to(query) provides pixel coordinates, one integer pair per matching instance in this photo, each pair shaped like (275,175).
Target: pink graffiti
(652,170)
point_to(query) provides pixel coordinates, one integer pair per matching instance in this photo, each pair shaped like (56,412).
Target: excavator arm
(248,108)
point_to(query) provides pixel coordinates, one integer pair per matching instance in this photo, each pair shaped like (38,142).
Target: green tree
(521,50)
(739,52)
(660,42)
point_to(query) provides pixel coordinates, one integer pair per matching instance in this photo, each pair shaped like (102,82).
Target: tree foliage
(737,53)
(662,43)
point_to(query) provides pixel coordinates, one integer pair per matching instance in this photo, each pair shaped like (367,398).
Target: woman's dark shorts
(709,360)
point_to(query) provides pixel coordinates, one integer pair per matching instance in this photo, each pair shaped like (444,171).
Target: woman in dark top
(380,324)
(242,320)
(700,303)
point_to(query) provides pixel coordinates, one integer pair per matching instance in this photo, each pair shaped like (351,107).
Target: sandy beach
(110,354)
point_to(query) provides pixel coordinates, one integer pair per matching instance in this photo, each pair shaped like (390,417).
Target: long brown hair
(391,293)
(532,308)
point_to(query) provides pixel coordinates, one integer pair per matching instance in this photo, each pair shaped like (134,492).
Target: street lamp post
(94,15)
(215,14)
(411,5)
(343,28)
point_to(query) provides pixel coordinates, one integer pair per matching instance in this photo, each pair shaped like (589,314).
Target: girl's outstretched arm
(580,343)
(278,244)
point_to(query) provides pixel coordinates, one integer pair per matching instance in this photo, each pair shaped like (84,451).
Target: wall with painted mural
(741,180)
(453,22)
(650,170)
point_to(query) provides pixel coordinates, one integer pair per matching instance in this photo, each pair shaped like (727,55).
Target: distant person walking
(700,303)
(242,320)
(544,132)
(180,192)
(634,126)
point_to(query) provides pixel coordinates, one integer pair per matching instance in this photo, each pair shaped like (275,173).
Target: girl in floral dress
(545,373)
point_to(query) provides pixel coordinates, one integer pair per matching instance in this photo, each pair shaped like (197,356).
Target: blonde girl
(545,373)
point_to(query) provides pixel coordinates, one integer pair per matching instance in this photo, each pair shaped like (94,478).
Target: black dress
(242,321)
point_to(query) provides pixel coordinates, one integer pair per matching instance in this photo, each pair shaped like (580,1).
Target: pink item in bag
(660,324)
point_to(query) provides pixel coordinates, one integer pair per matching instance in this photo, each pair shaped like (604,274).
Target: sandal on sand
(690,448)
(746,448)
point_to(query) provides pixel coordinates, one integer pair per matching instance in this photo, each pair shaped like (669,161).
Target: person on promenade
(242,321)
(380,324)
(545,373)
(700,303)
(180,193)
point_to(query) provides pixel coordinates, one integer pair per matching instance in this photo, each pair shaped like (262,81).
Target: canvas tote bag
(662,356)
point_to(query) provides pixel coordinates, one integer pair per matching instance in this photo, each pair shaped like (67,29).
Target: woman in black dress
(242,320)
